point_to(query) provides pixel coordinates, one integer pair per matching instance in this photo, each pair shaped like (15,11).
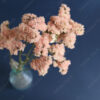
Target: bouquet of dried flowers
(48,41)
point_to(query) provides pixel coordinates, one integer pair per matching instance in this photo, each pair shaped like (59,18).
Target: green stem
(20,59)
(20,66)
(28,58)
(21,63)
(29,55)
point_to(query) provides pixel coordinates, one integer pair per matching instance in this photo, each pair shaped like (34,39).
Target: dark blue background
(83,79)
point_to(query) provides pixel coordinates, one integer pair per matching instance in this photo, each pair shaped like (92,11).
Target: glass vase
(20,77)
(21,80)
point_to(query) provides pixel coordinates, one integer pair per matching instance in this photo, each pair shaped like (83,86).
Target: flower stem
(29,55)
(20,59)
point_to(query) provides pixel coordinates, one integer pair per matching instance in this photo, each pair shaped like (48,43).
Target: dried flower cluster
(49,39)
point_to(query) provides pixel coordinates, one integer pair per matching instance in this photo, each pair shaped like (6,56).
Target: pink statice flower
(68,39)
(57,51)
(34,22)
(61,23)
(12,45)
(41,64)
(38,23)
(64,11)
(42,46)
(58,25)
(63,66)
(4,30)
(28,34)
(28,17)
(8,39)
(77,28)
(52,28)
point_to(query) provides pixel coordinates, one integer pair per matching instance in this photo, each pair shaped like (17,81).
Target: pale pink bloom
(57,51)
(41,64)
(68,39)
(27,17)
(42,46)
(38,23)
(34,22)
(8,39)
(28,34)
(4,29)
(8,33)
(64,11)
(52,28)
(61,23)
(13,46)
(77,28)
(63,66)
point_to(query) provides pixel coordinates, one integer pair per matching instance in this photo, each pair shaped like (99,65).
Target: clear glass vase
(20,79)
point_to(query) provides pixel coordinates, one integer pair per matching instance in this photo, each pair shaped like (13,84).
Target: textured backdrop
(83,79)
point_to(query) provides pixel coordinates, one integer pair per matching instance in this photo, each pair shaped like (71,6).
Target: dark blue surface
(83,79)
